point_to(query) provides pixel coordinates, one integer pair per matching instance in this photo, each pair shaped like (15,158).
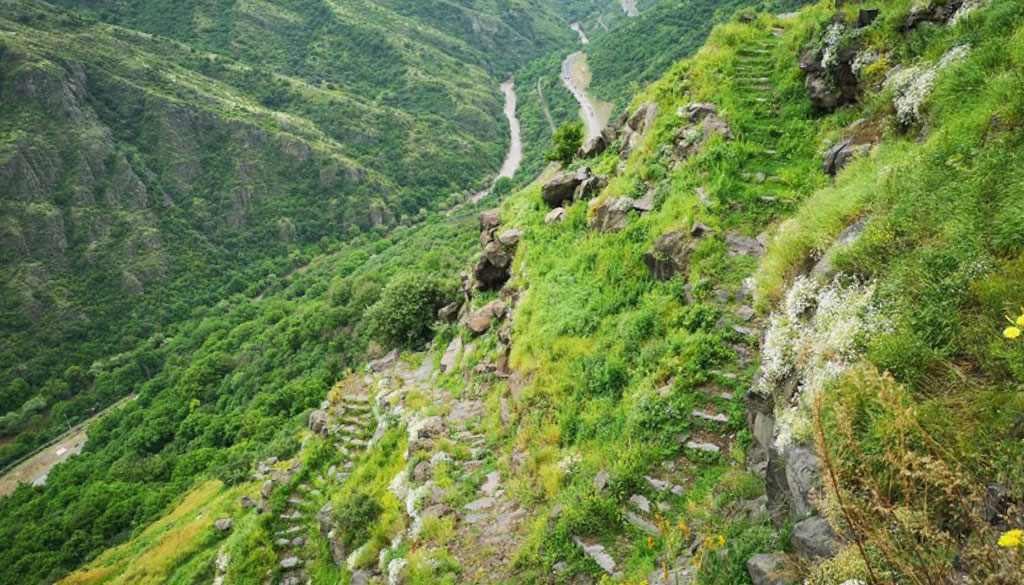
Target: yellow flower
(1011,332)
(1012,538)
(1020,320)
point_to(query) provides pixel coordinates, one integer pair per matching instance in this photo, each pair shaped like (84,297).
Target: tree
(406,309)
(566,141)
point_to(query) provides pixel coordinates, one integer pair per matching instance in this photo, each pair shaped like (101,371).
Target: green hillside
(770,334)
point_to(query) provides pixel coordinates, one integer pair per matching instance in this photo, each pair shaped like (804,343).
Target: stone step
(642,524)
(703,447)
(709,416)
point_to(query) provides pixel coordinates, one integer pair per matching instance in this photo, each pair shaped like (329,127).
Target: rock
(769,569)
(803,479)
(610,215)
(696,112)
(556,215)
(325,518)
(592,147)
(560,189)
(360,577)
(462,411)
(814,539)
(824,270)
(643,117)
(601,480)
(510,238)
(641,503)
(396,571)
(589,188)
(642,524)
(489,220)
(740,245)
(840,155)
(831,81)
(645,203)
(450,312)
(384,363)
(680,574)
(670,255)
(267,488)
(480,321)
(318,422)
(451,355)
(247,502)
(745,312)
(424,429)
(224,524)
(493,483)
(597,553)
(290,562)
(935,12)
(866,16)
(483,503)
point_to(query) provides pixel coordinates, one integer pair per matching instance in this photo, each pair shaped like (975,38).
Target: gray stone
(556,215)
(224,524)
(824,269)
(840,155)
(480,321)
(560,189)
(642,524)
(484,503)
(814,539)
(290,562)
(803,477)
(669,255)
(589,188)
(611,215)
(645,203)
(318,422)
(267,488)
(740,245)
(641,503)
(598,554)
(451,355)
(592,147)
(360,577)
(492,484)
(601,480)
(385,363)
(769,569)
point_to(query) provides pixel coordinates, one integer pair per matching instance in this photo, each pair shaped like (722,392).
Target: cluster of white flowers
(814,338)
(863,60)
(912,85)
(830,44)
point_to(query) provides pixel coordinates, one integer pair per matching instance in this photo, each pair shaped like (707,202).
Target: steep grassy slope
(621,431)
(141,176)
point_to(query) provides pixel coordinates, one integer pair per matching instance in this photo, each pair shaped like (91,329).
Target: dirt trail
(576,78)
(36,468)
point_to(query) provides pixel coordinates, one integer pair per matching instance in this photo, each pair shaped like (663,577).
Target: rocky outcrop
(610,215)
(840,155)
(593,147)
(814,539)
(830,78)
(701,123)
(935,12)
(494,268)
(569,186)
(671,251)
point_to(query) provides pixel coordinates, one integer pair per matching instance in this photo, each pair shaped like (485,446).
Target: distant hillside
(147,171)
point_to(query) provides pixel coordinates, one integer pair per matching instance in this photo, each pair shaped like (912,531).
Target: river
(576,78)
(514,156)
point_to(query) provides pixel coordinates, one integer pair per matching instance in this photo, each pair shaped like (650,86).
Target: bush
(406,309)
(566,141)
(355,515)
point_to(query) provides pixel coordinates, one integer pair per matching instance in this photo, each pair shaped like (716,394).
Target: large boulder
(670,254)
(814,539)
(493,269)
(643,117)
(480,321)
(560,189)
(831,81)
(590,187)
(703,122)
(611,215)
(769,569)
(556,215)
(593,147)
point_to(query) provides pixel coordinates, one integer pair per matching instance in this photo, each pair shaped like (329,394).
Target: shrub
(406,310)
(566,141)
(355,516)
